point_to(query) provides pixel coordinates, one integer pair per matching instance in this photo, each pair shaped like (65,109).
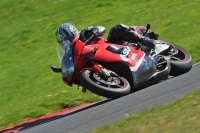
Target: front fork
(97,68)
(103,71)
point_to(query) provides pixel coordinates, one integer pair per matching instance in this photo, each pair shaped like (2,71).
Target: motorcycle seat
(115,49)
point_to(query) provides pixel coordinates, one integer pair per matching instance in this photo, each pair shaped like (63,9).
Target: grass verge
(179,116)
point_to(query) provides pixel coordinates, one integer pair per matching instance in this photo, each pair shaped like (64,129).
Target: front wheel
(180,59)
(111,87)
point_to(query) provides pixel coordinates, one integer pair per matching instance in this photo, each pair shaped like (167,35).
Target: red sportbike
(112,70)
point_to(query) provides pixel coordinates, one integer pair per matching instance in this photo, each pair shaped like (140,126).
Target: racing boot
(146,41)
(142,41)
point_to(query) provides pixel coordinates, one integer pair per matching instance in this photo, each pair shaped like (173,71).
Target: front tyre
(112,87)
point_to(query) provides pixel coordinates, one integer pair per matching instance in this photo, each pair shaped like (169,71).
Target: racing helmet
(66,34)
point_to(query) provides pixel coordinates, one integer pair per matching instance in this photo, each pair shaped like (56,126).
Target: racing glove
(148,42)
(143,39)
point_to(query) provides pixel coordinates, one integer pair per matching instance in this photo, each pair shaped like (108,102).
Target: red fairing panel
(107,56)
(135,57)
(132,57)
(79,46)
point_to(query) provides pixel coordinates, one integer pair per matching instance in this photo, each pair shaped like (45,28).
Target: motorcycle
(113,70)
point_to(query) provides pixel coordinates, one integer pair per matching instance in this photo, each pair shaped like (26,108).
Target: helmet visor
(63,37)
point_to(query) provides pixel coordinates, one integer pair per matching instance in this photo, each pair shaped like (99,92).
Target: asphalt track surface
(108,111)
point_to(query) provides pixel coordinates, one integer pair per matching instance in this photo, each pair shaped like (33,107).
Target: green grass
(179,116)
(28,88)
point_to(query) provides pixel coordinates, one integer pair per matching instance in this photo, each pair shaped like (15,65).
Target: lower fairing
(148,72)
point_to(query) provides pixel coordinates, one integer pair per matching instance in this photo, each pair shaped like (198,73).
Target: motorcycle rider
(66,34)
(123,34)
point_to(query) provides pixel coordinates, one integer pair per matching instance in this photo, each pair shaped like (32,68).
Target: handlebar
(95,33)
(89,39)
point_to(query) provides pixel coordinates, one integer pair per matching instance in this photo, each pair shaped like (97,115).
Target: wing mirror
(56,69)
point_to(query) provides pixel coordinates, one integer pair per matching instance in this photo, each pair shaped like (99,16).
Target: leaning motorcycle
(112,70)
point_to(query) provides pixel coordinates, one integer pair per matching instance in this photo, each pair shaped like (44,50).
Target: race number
(126,51)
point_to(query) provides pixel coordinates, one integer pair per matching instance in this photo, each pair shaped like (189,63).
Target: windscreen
(66,60)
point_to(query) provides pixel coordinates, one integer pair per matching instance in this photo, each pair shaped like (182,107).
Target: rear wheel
(111,87)
(180,59)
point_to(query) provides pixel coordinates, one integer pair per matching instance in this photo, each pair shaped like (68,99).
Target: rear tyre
(181,60)
(112,87)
